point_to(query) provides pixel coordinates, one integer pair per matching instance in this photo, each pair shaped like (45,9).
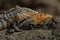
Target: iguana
(21,17)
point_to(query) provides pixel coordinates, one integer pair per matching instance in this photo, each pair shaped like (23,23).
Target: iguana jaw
(41,17)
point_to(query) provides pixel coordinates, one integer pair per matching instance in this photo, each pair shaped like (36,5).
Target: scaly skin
(23,16)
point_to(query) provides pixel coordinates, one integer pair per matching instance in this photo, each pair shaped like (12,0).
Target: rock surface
(27,35)
(38,34)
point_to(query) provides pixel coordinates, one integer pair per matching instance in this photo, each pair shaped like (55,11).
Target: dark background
(52,6)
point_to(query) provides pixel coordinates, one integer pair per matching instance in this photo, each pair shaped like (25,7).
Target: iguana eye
(27,10)
(44,14)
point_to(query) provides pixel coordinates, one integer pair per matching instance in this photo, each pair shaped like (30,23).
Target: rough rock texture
(38,34)
(27,35)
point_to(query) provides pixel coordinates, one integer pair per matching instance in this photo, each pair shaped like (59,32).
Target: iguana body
(23,16)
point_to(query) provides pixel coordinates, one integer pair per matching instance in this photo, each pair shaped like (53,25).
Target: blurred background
(50,6)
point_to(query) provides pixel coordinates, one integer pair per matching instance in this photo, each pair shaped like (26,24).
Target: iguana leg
(16,29)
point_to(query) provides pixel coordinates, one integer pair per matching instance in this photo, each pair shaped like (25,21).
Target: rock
(27,35)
